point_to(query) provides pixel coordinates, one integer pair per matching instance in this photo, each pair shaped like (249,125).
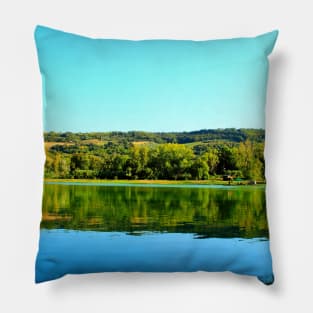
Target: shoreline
(153,182)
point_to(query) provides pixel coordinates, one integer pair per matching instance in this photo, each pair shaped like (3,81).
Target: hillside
(204,135)
(137,155)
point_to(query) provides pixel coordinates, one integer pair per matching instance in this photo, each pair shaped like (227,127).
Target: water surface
(96,228)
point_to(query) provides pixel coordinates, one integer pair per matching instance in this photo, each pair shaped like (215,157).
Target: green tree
(212,160)
(249,160)
(226,157)
(172,161)
(61,166)
(200,168)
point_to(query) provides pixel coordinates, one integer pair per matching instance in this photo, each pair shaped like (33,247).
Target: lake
(92,227)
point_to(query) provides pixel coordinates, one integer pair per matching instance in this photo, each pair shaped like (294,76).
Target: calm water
(95,228)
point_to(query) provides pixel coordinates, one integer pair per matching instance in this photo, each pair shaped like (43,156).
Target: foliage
(203,135)
(141,155)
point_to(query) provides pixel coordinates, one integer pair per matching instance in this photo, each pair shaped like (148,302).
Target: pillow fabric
(154,155)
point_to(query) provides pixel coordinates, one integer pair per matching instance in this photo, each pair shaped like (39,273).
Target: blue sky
(162,85)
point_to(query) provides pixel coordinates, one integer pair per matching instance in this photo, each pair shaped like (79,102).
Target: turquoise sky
(161,85)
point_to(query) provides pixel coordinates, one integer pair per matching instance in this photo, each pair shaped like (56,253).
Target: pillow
(154,155)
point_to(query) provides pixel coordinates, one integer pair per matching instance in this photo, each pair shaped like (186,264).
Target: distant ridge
(202,135)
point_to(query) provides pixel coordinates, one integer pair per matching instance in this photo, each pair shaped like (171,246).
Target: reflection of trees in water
(220,212)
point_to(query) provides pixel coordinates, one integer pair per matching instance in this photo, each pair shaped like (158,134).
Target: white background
(288,155)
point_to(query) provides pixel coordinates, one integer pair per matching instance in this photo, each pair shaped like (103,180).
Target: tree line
(227,134)
(124,159)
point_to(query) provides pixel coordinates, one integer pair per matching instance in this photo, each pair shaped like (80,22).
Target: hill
(145,155)
(203,135)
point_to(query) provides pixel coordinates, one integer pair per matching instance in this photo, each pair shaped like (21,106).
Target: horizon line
(159,132)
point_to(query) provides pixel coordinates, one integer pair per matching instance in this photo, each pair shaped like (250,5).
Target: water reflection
(206,212)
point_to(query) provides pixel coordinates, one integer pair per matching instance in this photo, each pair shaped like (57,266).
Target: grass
(96,142)
(50,144)
(213,181)
(138,143)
